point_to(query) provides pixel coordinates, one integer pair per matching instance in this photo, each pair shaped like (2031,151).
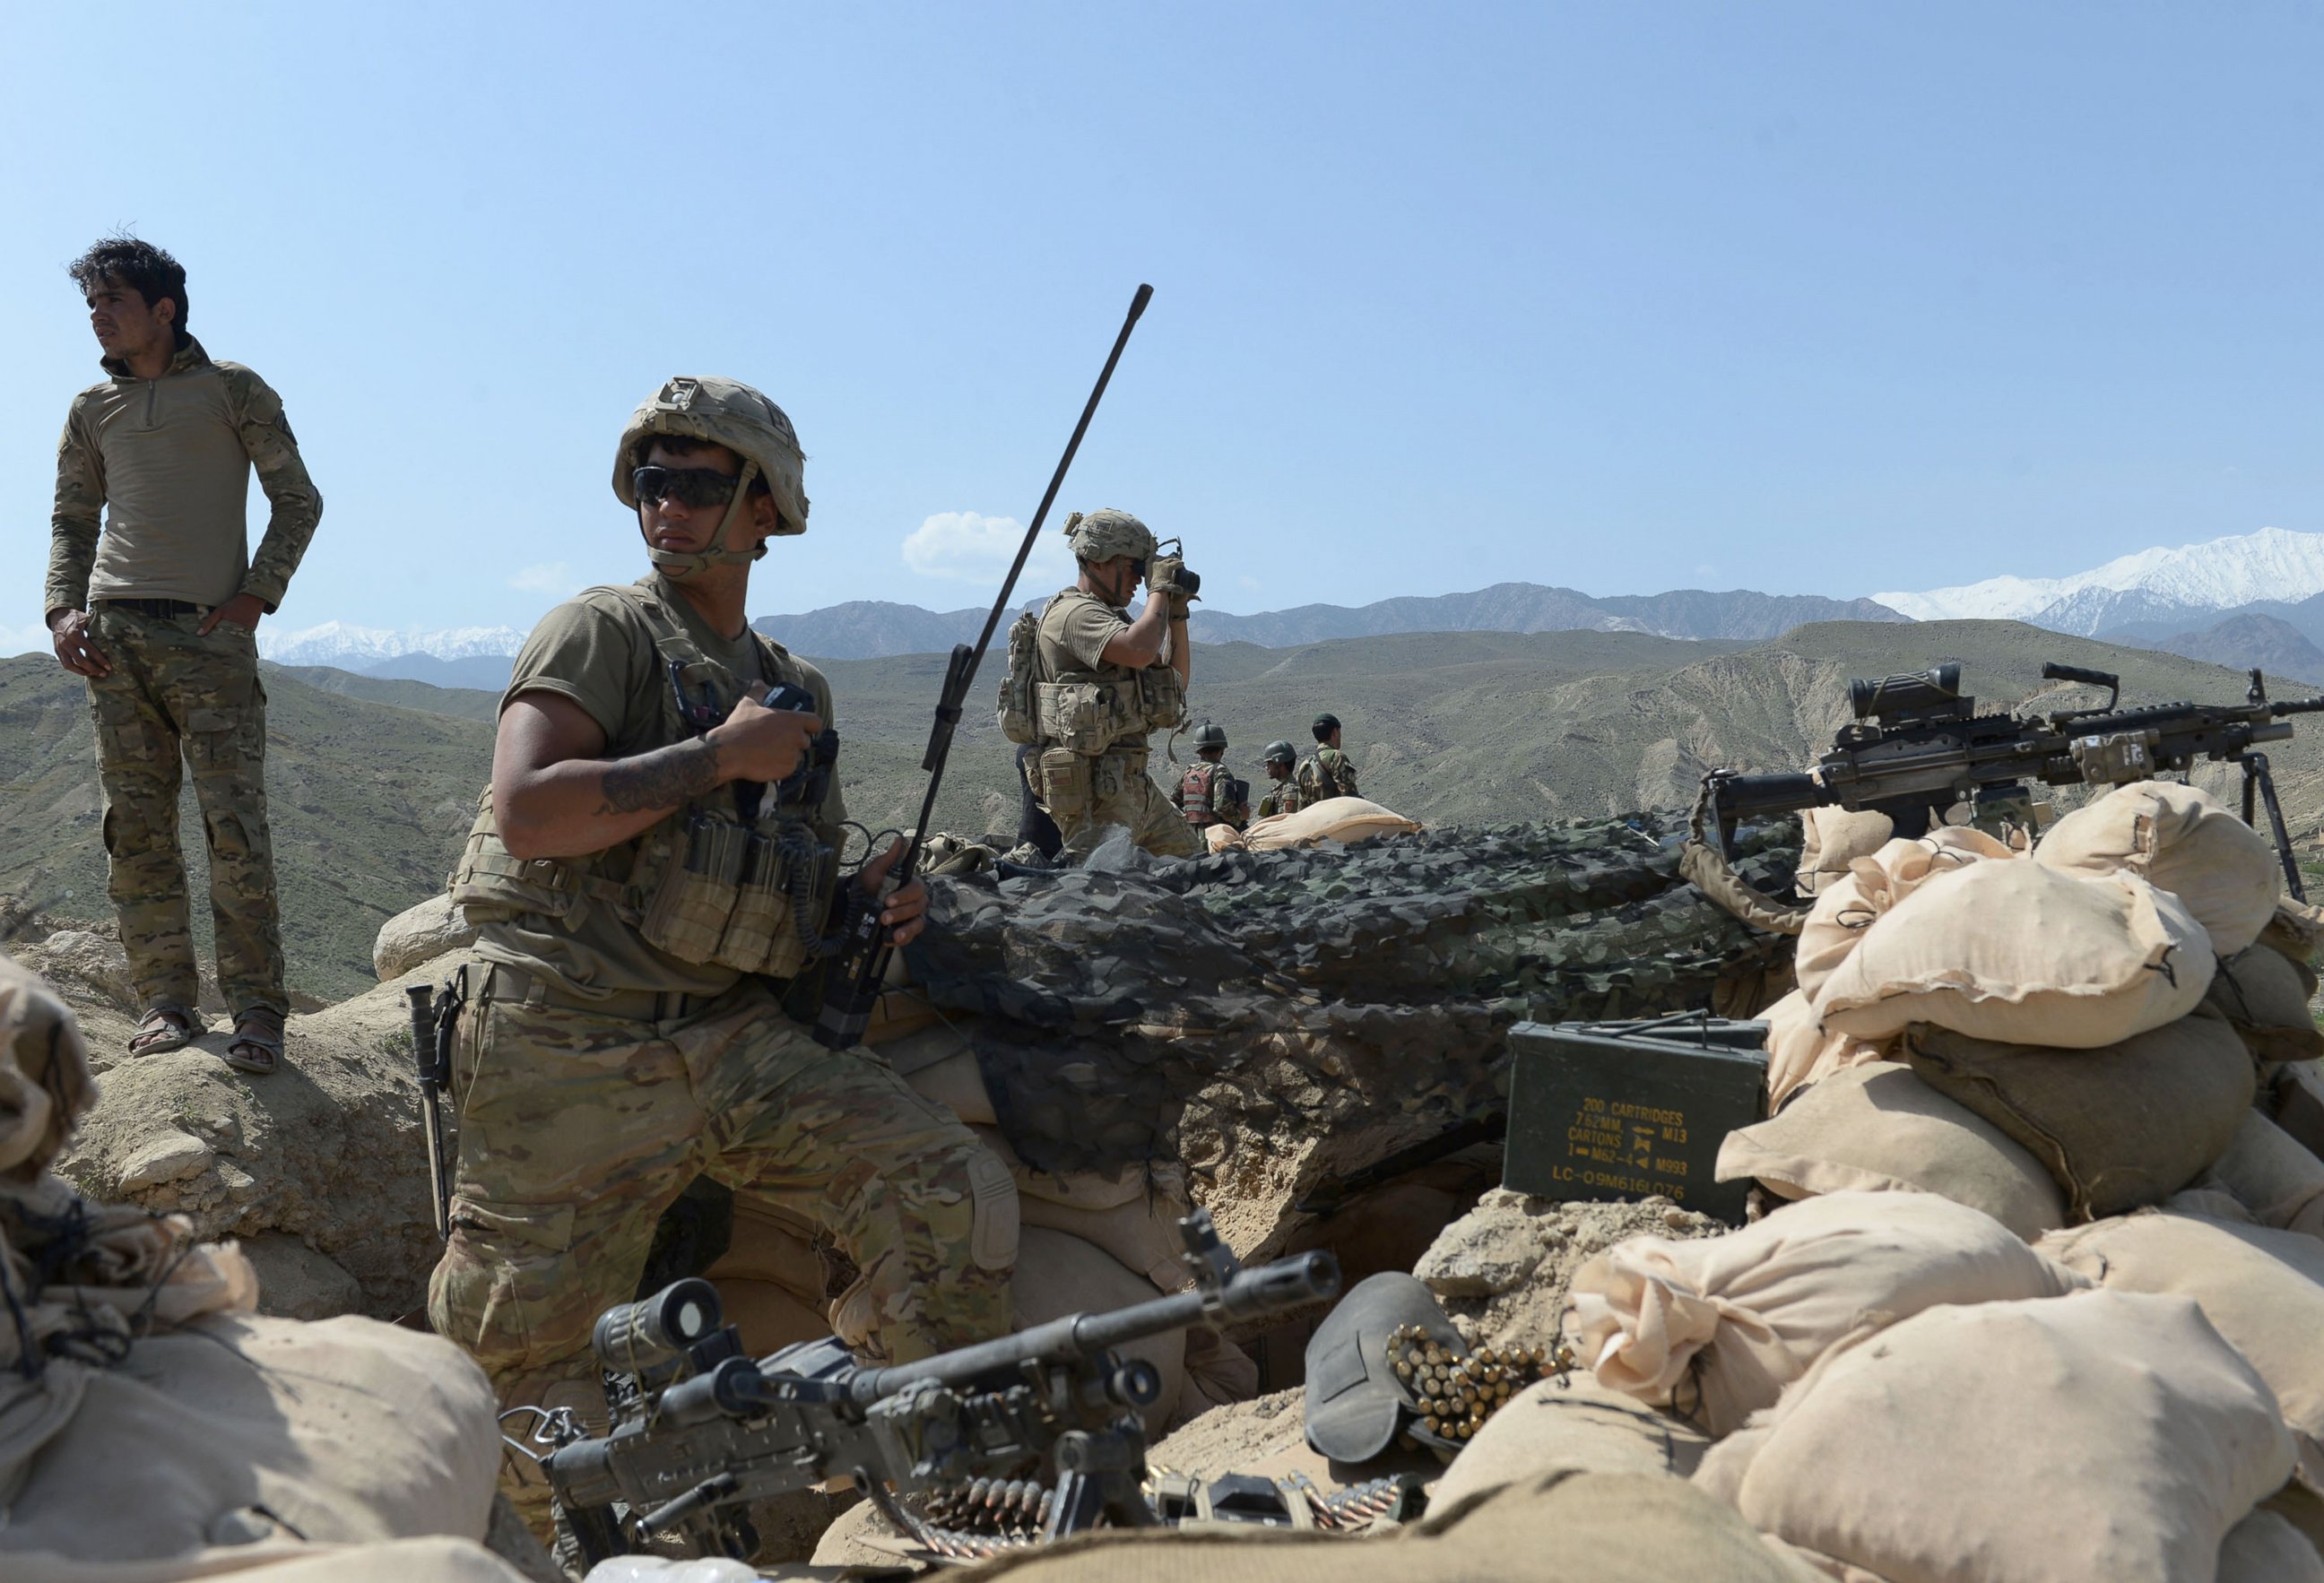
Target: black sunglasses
(689,486)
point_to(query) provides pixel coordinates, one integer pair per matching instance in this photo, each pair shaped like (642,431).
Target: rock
(327,1151)
(1527,1313)
(418,934)
(80,963)
(166,1156)
(296,1281)
(1485,1253)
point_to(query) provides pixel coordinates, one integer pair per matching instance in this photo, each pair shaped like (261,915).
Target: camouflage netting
(1118,1014)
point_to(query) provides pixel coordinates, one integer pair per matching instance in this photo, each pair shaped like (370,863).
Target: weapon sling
(861,964)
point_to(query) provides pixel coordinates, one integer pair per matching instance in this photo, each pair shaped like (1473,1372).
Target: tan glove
(1166,578)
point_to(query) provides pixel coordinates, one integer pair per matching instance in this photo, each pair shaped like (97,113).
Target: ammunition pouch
(1162,697)
(1089,714)
(1065,783)
(703,884)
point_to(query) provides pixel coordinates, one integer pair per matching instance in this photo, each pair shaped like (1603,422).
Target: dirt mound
(1501,1271)
(320,1168)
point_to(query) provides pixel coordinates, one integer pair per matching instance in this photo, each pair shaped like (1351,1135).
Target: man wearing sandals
(653,872)
(157,610)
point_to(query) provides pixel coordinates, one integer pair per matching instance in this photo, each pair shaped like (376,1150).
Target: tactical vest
(1195,792)
(731,879)
(1089,712)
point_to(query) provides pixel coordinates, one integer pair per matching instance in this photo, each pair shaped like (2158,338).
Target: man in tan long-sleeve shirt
(157,610)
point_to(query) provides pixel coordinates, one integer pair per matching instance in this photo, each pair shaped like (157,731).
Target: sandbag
(1570,1422)
(1849,903)
(2295,1103)
(2262,1290)
(2262,994)
(2295,931)
(345,1431)
(2116,1128)
(1345,820)
(2180,839)
(1878,1128)
(400,1561)
(2267,1170)
(2020,953)
(1800,1053)
(1715,1327)
(2104,1437)
(1606,1527)
(1221,837)
(1832,838)
(1058,1274)
(2265,1548)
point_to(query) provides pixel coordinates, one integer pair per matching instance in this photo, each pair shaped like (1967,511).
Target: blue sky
(1803,297)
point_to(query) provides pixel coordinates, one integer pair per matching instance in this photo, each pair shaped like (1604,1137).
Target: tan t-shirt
(1075,628)
(597,650)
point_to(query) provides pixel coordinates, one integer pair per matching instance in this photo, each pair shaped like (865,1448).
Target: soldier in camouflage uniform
(156,609)
(1282,795)
(1207,793)
(1103,683)
(657,856)
(1327,772)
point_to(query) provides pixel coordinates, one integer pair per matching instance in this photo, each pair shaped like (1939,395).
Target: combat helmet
(729,413)
(1279,752)
(1102,535)
(1210,734)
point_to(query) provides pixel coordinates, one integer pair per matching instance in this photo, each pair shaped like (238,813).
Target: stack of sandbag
(1971,1021)
(1717,1327)
(153,1427)
(2102,1435)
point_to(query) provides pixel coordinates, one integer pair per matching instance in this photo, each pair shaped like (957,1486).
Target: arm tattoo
(667,777)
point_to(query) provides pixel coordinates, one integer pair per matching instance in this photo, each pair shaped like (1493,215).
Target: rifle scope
(1907,694)
(637,1337)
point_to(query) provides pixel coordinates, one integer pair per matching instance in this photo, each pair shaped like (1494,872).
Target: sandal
(166,1025)
(256,1046)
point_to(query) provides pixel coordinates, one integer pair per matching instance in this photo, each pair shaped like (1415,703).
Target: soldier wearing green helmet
(653,872)
(1207,793)
(1102,682)
(1282,795)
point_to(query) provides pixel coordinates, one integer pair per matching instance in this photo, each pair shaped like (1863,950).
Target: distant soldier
(1283,795)
(1327,772)
(157,610)
(1103,682)
(1208,793)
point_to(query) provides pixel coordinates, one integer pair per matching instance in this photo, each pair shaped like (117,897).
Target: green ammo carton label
(1629,1110)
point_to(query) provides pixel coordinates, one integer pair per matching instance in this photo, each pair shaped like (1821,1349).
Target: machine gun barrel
(1252,1293)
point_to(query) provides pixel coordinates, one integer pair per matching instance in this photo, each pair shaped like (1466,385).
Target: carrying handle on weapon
(2052,671)
(861,963)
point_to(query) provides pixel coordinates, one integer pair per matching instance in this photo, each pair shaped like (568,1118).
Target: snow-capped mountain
(358,649)
(2272,565)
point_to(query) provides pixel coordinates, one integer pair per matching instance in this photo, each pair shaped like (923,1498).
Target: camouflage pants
(1087,797)
(173,693)
(578,1129)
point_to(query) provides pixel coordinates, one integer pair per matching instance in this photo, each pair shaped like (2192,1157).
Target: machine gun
(1916,741)
(700,1430)
(857,972)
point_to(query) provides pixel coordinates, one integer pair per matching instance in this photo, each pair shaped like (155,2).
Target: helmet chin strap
(717,555)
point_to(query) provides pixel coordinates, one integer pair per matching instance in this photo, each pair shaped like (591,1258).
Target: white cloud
(547,578)
(15,641)
(964,547)
(1249,583)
